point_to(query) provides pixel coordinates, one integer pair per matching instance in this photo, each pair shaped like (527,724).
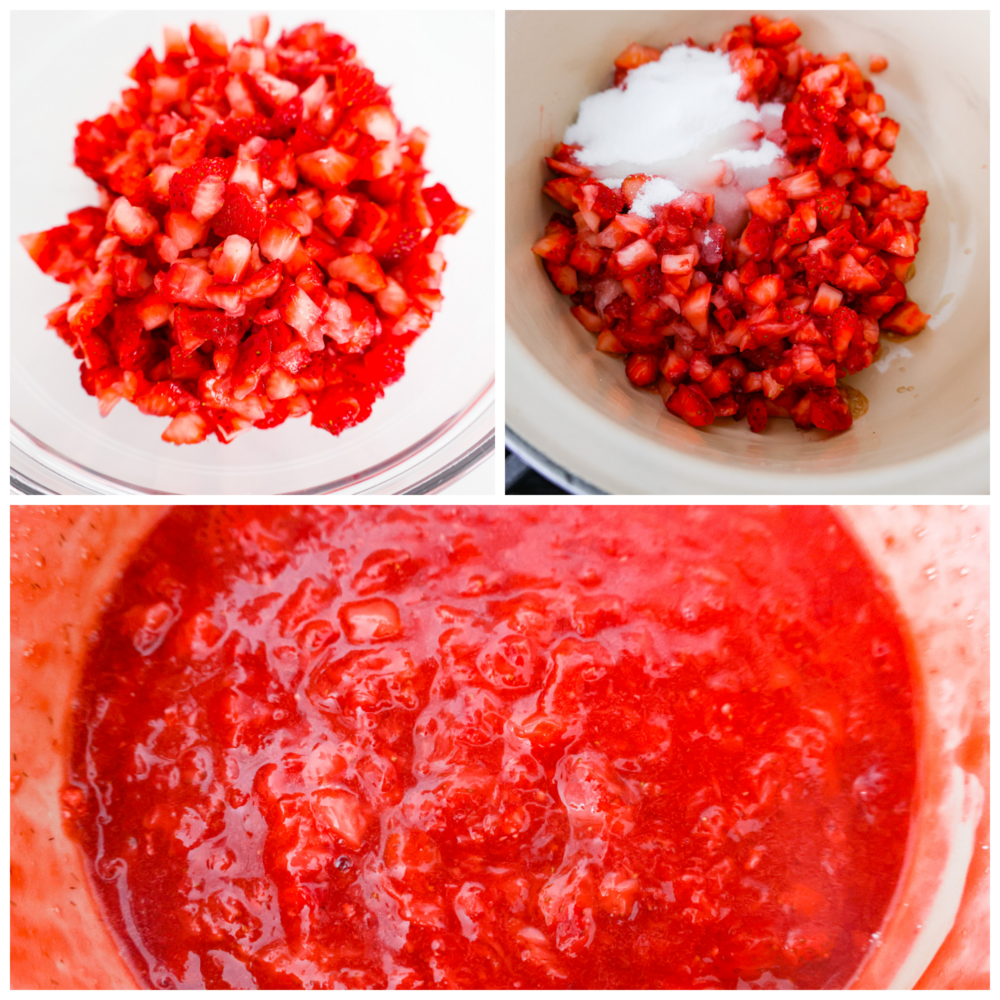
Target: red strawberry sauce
(495,747)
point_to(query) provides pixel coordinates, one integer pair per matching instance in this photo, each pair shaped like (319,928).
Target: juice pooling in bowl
(495,748)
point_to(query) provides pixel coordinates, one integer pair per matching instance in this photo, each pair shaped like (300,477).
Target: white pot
(64,560)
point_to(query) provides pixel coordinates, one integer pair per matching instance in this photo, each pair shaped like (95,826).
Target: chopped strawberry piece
(774,33)
(851,276)
(200,188)
(641,369)
(906,319)
(134,225)
(904,204)
(804,185)
(298,310)
(756,414)
(695,308)
(187,427)
(633,257)
(766,289)
(263,283)
(636,55)
(766,203)
(208,42)
(829,206)
(826,300)
(877,64)
(361,269)
(327,168)
(230,260)
(356,86)
(240,215)
(692,405)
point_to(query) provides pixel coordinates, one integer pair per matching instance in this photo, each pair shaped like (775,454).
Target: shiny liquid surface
(495,747)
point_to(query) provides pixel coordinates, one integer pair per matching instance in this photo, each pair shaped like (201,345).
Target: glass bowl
(926,429)
(431,427)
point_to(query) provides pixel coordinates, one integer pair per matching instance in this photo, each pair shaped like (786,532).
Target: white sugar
(679,120)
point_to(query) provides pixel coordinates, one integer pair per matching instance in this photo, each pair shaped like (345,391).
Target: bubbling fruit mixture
(495,747)
(265,246)
(750,259)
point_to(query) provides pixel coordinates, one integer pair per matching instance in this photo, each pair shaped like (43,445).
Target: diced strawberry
(563,190)
(904,204)
(636,55)
(692,405)
(717,384)
(240,215)
(89,311)
(906,319)
(208,42)
(633,257)
(641,369)
(356,86)
(361,269)
(766,289)
(829,411)
(134,225)
(563,277)
(699,367)
(829,205)
(587,318)
(803,185)
(184,282)
(852,277)
(765,203)
(277,241)
(757,239)
(555,247)
(199,189)
(695,308)
(586,259)
(565,167)
(263,283)
(165,399)
(247,174)
(131,277)
(327,168)
(187,427)
(291,212)
(826,300)
(678,263)
(843,327)
(774,33)
(608,343)
(298,310)
(888,134)
(230,259)
(878,64)
(757,414)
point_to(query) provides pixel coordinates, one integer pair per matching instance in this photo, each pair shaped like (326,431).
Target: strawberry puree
(664,747)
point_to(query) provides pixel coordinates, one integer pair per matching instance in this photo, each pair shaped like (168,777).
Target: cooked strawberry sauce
(496,747)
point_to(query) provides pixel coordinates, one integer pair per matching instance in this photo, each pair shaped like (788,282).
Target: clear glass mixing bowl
(431,428)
